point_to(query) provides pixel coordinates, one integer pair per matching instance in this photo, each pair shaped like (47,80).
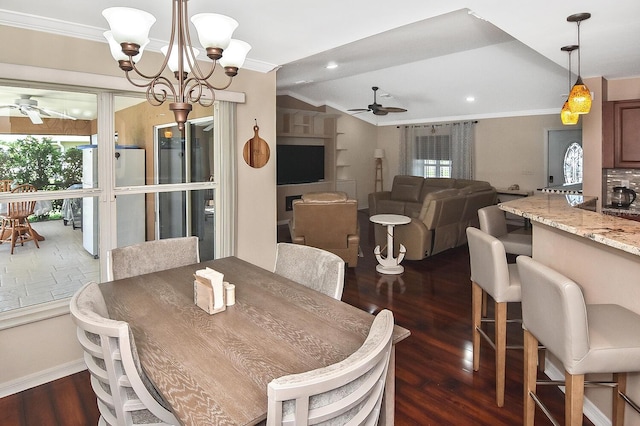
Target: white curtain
(225,132)
(462,150)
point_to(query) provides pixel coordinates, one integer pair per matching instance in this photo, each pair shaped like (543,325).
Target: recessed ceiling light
(332,65)
(470,99)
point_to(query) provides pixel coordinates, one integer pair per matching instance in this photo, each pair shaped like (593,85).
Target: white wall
(512,150)
(35,353)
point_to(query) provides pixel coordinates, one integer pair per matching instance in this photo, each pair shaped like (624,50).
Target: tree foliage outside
(41,163)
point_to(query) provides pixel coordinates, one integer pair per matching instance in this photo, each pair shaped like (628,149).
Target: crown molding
(86,32)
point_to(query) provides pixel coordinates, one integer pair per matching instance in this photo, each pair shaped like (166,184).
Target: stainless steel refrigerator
(130,209)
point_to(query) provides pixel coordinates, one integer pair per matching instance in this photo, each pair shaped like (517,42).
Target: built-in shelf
(303,135)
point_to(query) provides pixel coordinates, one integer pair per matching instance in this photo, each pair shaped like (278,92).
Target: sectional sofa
(440,210)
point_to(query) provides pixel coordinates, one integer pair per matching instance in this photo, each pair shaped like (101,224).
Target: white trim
(82,79)
(34,313)
(41,377)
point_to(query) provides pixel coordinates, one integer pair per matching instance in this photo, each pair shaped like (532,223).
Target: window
(432,157)
(572,164)
(77,221)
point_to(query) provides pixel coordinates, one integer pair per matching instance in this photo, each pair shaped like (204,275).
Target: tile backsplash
(614,177)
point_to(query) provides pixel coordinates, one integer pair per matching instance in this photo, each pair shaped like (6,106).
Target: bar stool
(493,222)
(491,273)
(594,338)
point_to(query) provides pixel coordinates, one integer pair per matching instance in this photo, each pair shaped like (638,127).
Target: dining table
(214,369)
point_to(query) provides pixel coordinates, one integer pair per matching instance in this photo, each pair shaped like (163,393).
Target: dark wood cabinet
(621,134)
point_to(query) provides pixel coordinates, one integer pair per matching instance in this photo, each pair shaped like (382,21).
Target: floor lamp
(378,154)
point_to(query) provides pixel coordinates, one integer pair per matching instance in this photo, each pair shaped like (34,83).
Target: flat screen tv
(299,163)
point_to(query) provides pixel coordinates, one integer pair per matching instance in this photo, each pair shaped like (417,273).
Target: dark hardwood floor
(435,382)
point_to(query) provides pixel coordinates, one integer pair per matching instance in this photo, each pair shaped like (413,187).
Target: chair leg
(574,399)
(501,349)
(484,303)
(617,417)
(530,376)
(32,233)
(14,235)
(476,311)
(541,359)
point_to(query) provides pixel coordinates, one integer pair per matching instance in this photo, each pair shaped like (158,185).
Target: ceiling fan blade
(392,109)
(358,110)
(56,113)
(33,115)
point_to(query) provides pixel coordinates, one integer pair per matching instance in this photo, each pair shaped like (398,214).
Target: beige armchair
(327,220)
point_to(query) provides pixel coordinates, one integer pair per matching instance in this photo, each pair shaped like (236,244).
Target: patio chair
(15,223)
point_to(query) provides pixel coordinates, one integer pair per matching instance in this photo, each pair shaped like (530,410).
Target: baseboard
(592,412)
(41,377)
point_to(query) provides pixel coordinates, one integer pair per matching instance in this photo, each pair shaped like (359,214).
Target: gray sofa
(440,209)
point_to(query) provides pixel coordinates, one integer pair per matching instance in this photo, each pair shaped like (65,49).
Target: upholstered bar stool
(594,338)
(491,273)
(493,222)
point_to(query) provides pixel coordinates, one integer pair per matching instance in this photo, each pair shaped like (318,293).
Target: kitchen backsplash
(614,177)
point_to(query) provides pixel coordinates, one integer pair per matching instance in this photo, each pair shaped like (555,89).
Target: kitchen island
(601,253)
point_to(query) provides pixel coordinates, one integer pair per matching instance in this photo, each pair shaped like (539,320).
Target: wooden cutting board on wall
(256,151)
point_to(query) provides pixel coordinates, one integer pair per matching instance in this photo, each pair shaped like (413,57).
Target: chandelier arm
(159,83)
(156,82)
(191,59)
(195,85)
(225,86)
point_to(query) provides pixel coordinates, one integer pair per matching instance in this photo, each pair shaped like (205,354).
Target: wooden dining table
(214,369)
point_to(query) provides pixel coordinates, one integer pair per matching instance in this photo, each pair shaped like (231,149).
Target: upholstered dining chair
(152,256)
(312,267)
(15,222)
(125,394)
(493,221)
(586,338)
(348,392)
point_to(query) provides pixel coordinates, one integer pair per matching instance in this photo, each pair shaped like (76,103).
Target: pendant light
(580,96)
(569,118)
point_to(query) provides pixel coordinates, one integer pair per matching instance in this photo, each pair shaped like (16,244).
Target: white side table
(390,265)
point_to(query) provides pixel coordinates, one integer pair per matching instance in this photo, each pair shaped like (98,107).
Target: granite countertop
(576,215)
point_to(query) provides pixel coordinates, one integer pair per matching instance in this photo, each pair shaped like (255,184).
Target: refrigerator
(130,209)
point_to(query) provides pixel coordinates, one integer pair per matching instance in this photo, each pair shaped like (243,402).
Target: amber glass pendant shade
(568,118)
(580,98)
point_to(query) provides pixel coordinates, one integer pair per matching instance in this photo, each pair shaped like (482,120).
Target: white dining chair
(125,394)
(152,256)
(348,392)
(312,267)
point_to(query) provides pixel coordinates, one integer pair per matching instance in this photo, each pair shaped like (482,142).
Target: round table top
(390,219)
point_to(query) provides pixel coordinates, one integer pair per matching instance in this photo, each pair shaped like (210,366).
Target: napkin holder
(208,291)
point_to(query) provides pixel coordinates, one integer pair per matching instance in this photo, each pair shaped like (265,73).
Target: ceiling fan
(30,108)
(376,108)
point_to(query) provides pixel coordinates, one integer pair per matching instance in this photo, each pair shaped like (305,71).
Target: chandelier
(129,35)
(580,96)
(568,117)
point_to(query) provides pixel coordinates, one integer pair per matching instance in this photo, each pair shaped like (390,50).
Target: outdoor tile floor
(54,271)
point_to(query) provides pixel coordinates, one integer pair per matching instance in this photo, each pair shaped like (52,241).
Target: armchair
(327,220)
